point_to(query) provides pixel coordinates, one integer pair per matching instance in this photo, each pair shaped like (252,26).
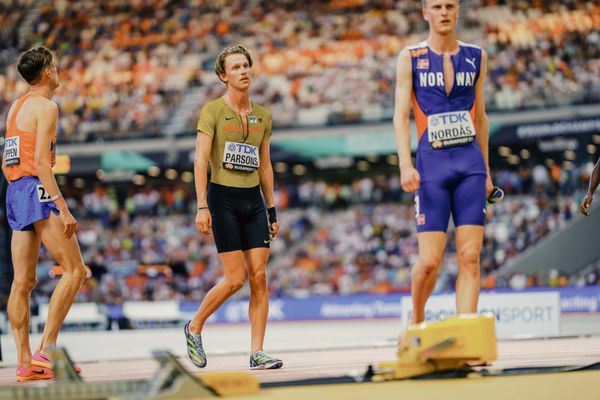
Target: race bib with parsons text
(241,157)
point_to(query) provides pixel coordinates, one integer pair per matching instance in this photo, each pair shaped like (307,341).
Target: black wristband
(272,215)
(202,208)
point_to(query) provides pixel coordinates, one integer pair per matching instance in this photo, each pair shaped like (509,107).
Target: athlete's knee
(234,284)
(258,276)
(79,272)
(24,284)
(427,266)
(74,267)
(468,260)
(258,280)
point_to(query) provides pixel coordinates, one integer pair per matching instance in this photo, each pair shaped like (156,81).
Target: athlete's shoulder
(417,50)
(215,106)
(41,103)
(260,109)
(470,47)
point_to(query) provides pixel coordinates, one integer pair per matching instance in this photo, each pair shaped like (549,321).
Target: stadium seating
(130,71)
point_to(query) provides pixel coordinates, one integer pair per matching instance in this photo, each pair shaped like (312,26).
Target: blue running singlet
(449,160)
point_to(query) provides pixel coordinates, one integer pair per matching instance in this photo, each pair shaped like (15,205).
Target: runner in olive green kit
(233,135)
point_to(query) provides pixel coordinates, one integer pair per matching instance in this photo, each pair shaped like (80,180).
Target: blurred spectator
(131,69)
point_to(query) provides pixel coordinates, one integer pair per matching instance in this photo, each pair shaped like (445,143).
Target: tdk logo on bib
(240,157)
(450,118)
(450,129)
(12,151)
(242,148)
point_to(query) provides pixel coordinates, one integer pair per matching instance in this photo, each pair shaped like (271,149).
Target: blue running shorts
(452,183)
(27,202)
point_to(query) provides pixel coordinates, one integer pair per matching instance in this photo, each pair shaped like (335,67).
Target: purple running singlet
(449,160)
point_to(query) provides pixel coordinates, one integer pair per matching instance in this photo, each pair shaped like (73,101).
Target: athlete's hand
(489,186)
(584,206)
(410,179)
(69,223)
(274,230)
(203,221)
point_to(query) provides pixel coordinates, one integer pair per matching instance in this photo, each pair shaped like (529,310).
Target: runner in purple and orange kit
(37,212)
(444,80)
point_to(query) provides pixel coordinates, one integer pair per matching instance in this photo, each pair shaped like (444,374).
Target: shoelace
(197,339)
(260,356)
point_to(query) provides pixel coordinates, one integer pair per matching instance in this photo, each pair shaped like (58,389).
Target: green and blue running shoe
(195,350)
(260,360)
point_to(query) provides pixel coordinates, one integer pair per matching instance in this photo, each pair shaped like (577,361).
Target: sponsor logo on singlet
(450,129)
(12,151)
(240,157)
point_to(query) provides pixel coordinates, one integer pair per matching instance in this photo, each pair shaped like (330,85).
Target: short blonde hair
(220,61)
(424,3)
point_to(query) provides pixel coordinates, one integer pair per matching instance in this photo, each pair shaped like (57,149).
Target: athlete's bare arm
(584,207)
(203,148)
(265,175)
(46,113)
(481,120)
(409,176)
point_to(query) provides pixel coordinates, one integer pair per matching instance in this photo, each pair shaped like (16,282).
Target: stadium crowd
(142,69)
(336,238)
(131,69)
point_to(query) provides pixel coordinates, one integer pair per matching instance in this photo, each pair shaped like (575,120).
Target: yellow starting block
(451,344)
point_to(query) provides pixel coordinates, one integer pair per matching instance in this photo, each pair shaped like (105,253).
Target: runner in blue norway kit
(449,159)
(443,80)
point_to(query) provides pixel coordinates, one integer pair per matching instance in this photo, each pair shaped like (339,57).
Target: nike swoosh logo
(228,118)
(37,372)
(266,241)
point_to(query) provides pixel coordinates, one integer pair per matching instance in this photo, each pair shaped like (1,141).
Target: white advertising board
(517,314)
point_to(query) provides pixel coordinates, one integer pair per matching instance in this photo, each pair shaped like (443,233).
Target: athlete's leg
(235,275)
(256,259)
(432,209)
(25,252)
(468,210)
(425,271)
(67,254)
(468,248)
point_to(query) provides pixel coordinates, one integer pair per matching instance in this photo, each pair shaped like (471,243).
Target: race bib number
(12,150)
(241,157)
(450,129)
(42,194)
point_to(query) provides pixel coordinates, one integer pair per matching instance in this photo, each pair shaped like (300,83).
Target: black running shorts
(239,220)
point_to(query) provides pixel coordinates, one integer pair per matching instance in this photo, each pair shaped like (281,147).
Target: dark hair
(31,64)
(220,61)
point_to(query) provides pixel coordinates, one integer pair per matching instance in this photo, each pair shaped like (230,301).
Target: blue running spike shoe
(261,360)
(195,350)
